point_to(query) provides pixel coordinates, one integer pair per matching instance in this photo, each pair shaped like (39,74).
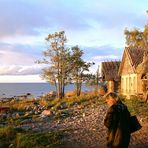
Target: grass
(17,105)
(7,136)
(84,100)
(53,103)
(18,138)
(137,106)
(40,140)
(18,120)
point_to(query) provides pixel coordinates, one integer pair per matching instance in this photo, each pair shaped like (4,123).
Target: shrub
(136,106)
(17,138)
(41,140)
(8,135)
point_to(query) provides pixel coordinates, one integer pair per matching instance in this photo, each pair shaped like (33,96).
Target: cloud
(20,79)
(19,59)
(19,54)
(102,53)
(97,24)
(20,17)
(20,69)
(115,17)
(85,22)
(25,17)
(103,58)
(14,62)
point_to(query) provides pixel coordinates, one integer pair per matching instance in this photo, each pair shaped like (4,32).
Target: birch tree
(56,57)
(79,67)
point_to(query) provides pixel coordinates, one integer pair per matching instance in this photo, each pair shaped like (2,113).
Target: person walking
(117,121)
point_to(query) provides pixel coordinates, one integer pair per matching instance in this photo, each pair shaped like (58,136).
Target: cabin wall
(129,84)
(110,86)
(139,86)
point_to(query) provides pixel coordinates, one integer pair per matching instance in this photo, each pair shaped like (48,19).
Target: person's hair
(114,96)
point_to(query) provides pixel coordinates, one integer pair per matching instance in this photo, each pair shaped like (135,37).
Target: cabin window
(126,84)
(122,85)
(134,83)
(130,84)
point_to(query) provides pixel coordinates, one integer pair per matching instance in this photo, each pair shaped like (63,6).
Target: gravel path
(85,129)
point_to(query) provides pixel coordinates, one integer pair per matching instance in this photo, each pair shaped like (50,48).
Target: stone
(52,93)
(63,105)
(46,113)
(27,114)
(83,114)
(26,127)
(11,145)
(26,121)
(17,115)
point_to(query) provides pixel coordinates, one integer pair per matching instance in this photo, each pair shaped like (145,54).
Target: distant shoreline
(21,82)
(8,90)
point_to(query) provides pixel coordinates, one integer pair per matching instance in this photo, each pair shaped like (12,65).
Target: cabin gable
(126,65)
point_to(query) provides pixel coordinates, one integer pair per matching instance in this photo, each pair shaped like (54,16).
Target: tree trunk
(80,86)
(60,89)
(77,87)
(63,91)
(55,83)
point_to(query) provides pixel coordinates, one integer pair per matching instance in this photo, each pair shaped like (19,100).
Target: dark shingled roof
(142,68)
(110,70)
(136,55)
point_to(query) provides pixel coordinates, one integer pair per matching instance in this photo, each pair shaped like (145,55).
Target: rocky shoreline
(83,125)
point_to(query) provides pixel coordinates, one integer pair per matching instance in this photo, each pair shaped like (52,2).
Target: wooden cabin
(133,68)
(109,71)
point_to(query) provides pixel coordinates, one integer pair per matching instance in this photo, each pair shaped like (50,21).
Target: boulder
(52,93)
(46,113)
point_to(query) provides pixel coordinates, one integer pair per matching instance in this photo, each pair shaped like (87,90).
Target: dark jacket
(118,124)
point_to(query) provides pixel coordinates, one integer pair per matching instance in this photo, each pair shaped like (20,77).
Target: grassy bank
(137,107)
(10,136)
(17,138)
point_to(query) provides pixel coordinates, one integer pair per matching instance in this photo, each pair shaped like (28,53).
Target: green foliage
(8,136)
(56,57)
(79,68)
(17,138)
(61,114)
(18,120)
(85,99)
(65,65)
(136,37)
(41,140)
(94,80)
(137,106)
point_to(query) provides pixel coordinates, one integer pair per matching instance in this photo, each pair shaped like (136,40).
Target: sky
(96,26)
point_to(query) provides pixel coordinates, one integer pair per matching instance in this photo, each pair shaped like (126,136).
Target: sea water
(35,89)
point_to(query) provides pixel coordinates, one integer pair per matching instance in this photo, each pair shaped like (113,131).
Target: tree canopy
(64,65)
(137,37)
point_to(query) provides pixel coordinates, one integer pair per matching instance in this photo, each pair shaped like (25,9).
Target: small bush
(44,102)
(41,140)
(17,138)
(137,106)
(8,136)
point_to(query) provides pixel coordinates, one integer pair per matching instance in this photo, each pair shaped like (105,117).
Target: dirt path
(85,129)
(88,131)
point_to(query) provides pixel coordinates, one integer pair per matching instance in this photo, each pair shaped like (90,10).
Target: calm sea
(36,89)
